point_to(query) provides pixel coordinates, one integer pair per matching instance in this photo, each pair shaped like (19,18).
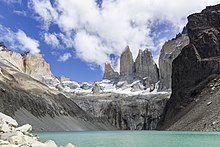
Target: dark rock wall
(197,64)
(125,112)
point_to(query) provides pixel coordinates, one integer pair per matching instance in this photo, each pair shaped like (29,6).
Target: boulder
(109,72)
(127,66)
(26,129)
(50,143)
(146,67)
(18,139)
(96,89)
(8,120)
(69,145)
(137,86)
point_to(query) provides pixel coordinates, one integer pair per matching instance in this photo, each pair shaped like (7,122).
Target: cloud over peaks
(19,40)
(96,31)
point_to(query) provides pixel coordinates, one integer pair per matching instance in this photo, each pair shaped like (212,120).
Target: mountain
(137,98)
(194,101)
(143,68)
(30,93)
(31,101)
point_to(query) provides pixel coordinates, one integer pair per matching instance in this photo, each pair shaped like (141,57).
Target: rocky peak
(145,67)
(126,65)
(109,72)
(36,66)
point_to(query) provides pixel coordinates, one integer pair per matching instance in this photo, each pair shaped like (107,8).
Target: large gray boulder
(109,72)
(145,67)
(127,66)
(170,50)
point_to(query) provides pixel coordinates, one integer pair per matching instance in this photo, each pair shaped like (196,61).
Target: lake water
(134,138)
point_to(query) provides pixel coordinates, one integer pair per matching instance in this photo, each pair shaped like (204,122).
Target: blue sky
(77,37)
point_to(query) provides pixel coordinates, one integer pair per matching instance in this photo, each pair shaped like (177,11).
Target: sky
(77,37)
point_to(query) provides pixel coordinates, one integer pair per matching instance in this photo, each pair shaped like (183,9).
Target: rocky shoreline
(13,136)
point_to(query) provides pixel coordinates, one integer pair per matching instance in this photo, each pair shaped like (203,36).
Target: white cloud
(21,13)
(12,1)
(18,40)
(51,39)
(95,32)
(64,57)
(27,43)
(45,11)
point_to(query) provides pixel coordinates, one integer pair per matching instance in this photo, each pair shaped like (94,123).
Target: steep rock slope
(197,64)
(170,50)
(30,101)
(202,114)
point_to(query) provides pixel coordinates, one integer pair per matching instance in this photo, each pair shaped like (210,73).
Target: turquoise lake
(134,138)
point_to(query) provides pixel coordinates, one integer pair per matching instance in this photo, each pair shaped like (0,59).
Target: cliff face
(145,67)
(32,64)
(137,112)
(127,65)
(170,50)
(36,66)
(196,65)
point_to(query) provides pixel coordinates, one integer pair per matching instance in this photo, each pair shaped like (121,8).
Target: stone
(4,143)
(109,72)
(209,103)
(26,129)
(137,86)
(145,67)
(170,50)
(17,139)
(50,143)
(127,66)
(8,120)
(152,87)
(96,89)
(69,145)
(4,127)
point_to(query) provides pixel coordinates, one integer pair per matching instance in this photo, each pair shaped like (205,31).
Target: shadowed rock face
(197,64)
(127,66)
(145,67)
(125,112)
(109,73)
(170,50)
